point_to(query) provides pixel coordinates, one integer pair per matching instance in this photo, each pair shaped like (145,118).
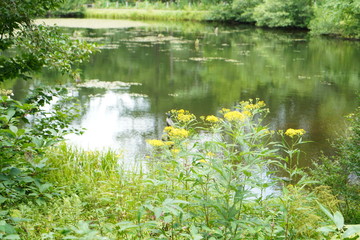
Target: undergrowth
(213,177)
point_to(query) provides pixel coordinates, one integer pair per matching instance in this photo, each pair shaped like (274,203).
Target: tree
(37,46)
(26,129)
(337,17)
(283,13)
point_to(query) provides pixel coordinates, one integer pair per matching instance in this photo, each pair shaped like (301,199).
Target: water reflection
(118,120)
(308,83)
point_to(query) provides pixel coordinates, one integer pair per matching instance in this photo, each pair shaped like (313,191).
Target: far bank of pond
(307,82)
(148,14)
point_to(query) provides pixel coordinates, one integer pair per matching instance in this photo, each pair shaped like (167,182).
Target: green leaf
(38,142)
(44,187)
(351,230)
(338,220)
(13,128)
(326,229)
(195,233)
(168,219)
(126,225)
(2,199)
(12,236)
(10,113)
(157,211)
(327,212)
(21,132)
(6,228)
(15,171)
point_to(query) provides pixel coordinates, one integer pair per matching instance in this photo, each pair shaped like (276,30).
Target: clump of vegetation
(276,13)
(340,18)
(70,8)
(342,171)
(26,127)
(213,177)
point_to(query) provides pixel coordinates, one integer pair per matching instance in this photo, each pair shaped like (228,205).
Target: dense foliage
(277,13)
(26,48)
(213,177)
(341,18)
(27,128)
(337,17)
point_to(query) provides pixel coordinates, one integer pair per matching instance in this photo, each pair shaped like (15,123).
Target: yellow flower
(155,142)
(185,117)
(210,154)
(175,150)
(182,115)
(294,132)
(212,119)
(202,161)
(224,110)
(234,116)
(169,143)
(248,105)
(168,129)
(247,113)
(176,132)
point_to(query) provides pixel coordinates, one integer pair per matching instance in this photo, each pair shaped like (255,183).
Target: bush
(238,10)
(245,9)
(278,13)
(337,18)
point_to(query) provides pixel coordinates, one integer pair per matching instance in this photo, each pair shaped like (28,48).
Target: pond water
(307,82)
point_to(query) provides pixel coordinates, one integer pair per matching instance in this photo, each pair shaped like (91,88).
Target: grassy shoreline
(148,14)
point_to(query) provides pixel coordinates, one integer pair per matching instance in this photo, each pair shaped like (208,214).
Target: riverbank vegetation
(328,17)
(211,177)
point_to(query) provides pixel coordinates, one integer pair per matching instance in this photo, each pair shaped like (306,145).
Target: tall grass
(147,14)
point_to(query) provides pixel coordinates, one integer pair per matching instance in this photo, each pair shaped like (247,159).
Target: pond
(307,82)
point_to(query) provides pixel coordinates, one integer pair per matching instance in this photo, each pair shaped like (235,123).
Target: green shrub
(337,17)
(288,13)
(245,9)
(238,10)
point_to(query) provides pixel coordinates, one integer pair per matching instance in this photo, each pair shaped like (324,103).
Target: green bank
(148,14)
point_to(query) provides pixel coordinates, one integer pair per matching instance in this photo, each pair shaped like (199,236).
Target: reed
(148,14)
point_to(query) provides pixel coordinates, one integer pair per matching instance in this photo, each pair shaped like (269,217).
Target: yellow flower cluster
(177,132)
(183,115)
(155,142)
(212,119)
(295,132)
(159,143)
(224,110)
(253,106)
(234,116)
(175,150)
(247,113)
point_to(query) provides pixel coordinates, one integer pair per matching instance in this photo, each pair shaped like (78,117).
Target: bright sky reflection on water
(110,122)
